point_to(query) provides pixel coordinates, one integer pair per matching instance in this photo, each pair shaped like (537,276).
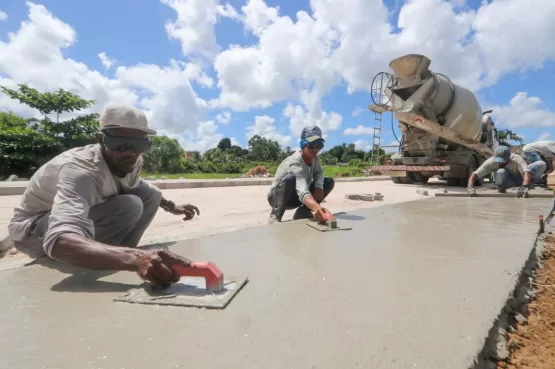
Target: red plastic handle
(212,275)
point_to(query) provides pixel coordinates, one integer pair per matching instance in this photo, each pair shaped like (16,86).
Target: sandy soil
(533,343)
(226,209)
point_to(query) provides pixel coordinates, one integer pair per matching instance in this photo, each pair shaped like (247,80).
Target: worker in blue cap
(509,170)
(299,182)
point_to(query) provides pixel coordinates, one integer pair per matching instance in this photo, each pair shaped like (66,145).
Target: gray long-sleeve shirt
(304,173)
(66,188)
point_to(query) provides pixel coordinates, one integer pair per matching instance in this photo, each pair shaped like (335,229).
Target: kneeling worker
(87,202)
(299,182)
(538,151)
(510,170)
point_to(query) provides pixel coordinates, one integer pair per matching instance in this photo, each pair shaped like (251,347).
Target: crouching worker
(540,151)
(88,207)
(509,170)
(299,182)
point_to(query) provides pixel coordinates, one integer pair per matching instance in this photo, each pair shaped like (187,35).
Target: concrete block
(378,196)
(352,196)
(366,197)
(422,191)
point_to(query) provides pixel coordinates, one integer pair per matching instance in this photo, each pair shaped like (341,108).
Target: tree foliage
(46,103)
(504,136)
(26,144)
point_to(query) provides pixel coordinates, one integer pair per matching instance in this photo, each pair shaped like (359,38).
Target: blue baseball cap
(311,134)
(501,154)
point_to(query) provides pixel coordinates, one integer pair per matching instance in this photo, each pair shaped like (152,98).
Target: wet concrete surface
(413,285)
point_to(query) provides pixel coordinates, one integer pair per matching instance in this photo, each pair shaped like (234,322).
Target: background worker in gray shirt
(84,204)
(509,170)
(299,182)
(540,151)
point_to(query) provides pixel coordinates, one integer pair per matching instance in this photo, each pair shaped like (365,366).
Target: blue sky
(136,35)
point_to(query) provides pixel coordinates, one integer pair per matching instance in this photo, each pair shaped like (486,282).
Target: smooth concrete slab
(18,188)
(412,285)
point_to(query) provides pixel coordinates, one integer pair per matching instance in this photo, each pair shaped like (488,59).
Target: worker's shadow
(86,280)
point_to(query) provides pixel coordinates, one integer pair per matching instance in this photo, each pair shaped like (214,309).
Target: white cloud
(224,117)
(524,111)
(544,136)
(359,130)
(34,55)
(3,15)
(194,26)
(363,145)
(203,138)
(357,111)
(301,59)
(300,118)
(106,61)
(264,126)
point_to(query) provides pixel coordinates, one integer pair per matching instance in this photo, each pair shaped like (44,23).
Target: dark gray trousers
(284,195)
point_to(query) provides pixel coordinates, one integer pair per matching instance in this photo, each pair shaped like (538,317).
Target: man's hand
(522,191)
(471,191)
(158,267)
(318,194)
(187,209)
(321,214)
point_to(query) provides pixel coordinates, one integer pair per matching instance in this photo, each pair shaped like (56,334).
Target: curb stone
(18,188)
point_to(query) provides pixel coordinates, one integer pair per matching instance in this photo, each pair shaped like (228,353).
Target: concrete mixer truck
(445,133)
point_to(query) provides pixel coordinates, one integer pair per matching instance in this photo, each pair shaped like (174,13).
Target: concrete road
(227,209)
(413,285)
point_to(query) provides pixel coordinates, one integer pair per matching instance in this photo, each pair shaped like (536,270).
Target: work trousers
(284,195)
(504,179)
(119,221)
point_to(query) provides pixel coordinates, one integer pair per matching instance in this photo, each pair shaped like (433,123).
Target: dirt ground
(533,343)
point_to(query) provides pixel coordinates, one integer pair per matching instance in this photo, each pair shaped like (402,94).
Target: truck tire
(396,180)
(420,178)
(470,168)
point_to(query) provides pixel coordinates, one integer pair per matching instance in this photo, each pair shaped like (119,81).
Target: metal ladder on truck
(379,83)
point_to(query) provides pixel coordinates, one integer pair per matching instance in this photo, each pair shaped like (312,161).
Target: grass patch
(329,171)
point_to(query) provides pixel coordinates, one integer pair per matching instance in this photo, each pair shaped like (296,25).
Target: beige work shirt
(66,188)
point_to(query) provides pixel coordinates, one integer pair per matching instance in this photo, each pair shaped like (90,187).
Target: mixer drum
(434,96)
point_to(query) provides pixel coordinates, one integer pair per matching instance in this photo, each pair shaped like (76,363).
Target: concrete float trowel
(202,285)
(330,224)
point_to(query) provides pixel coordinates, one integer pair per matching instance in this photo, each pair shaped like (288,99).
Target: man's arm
(302,187)
(522,167)
(318,174)
(486,168)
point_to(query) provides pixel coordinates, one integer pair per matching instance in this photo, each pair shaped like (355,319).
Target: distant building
(189,154)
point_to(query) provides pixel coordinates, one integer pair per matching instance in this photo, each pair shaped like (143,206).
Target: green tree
(24,150)
(238,151)
(224,144)
(504,136)
(164,156)
(263,149)
(60,101)
(9,120)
